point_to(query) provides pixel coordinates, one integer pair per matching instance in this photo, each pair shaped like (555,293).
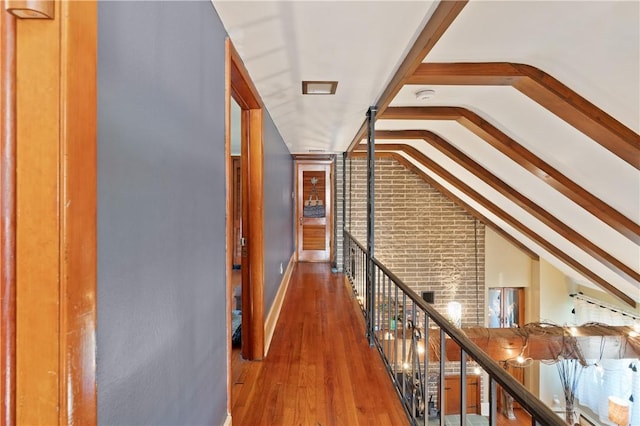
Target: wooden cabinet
(452,394)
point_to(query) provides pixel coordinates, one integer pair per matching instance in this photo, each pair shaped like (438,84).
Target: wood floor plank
(320,369)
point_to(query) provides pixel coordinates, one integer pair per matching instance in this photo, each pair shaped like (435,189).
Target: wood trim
(229,221)
(333,213)
(478,198)
(56,222)
(314,157)
(236,209)
(512,195)
(473,212)
(245,269)
(256,232)
(314,165)
(38,230)
(8,217)
(525,158)
(546,91)
(442,18)
(276,307)
(241,88)
(31,9)
(78,212)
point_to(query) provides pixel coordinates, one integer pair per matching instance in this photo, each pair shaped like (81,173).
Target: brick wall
(338,166)
(422,236)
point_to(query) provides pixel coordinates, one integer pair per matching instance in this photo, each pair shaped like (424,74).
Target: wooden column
(56,220)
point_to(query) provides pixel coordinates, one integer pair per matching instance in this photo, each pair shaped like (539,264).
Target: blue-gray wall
(278,209)
(161,214)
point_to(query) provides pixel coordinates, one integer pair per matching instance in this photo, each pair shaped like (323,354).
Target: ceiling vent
(319,87)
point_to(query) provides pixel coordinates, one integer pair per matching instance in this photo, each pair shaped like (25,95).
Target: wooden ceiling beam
(546,91)
(473,212)
(525,158)
(591,342)
(496,210)
(512,195)
(444,15)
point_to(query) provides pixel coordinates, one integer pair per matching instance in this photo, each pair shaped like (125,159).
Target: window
(506,307)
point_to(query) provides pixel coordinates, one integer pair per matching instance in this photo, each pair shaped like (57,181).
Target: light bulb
(520,359)
(420,349)
(476,370)
(405,365)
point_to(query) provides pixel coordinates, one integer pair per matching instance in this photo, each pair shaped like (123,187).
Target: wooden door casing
(236,201)
(55,228)
(314,235)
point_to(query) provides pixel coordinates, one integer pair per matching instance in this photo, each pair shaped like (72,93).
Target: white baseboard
(274,312)
(227,421)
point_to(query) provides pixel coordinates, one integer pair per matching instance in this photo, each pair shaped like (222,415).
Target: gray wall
(161,217)
(278,209)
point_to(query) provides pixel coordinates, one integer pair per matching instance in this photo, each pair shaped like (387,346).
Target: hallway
(320,369)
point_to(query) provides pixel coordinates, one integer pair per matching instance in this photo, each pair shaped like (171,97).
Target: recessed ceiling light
(319,87)
(425,94)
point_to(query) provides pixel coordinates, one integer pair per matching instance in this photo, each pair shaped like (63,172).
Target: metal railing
(412,336)
(355,267)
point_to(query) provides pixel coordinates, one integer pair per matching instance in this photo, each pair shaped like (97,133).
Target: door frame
(241,88)
(320,161)
(49,227)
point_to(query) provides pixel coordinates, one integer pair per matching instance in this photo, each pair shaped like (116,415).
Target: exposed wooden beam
(545,90)
(512,195)
(591,342)
(473,212)
(445,13)
(525,158)
(496,210)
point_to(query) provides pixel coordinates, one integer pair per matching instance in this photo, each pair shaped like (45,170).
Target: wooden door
(314,214)
(452,394)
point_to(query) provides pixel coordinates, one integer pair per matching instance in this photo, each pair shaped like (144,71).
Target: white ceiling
(357,43)
(593,47)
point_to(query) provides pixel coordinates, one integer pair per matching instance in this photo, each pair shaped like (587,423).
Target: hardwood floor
(320,369)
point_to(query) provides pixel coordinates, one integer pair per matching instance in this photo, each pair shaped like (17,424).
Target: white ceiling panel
(357,43)
(591,46)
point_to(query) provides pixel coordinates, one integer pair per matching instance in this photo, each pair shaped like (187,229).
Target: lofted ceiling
(548,153)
